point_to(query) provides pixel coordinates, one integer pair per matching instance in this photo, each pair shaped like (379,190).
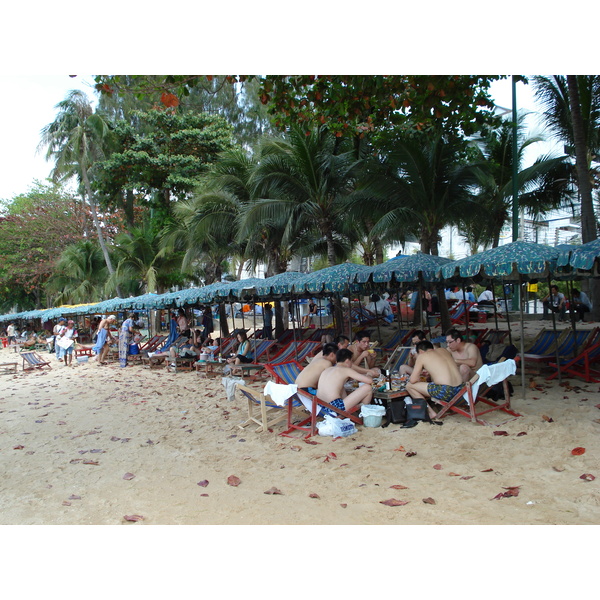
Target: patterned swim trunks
(445,393)
(337,403)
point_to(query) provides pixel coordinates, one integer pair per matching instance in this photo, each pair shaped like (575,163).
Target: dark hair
(455,334)
(575,292)
(554,286)
(375,298)
(341,338)
(343,355)
(329,348)
(242,333)
(420,334)
(363,334)
(424,345)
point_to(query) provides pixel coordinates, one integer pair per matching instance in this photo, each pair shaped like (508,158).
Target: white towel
(280,392)
(492,374)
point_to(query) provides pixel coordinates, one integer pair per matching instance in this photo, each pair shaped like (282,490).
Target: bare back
(440,365)
(332,380)
(309,376)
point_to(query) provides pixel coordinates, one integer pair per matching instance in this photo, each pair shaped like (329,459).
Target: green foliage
(34,229)
(164,157)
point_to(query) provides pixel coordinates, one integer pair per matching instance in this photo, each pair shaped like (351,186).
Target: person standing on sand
(125,337)
(331,384)
(69,333)
(103,339)
(446,380)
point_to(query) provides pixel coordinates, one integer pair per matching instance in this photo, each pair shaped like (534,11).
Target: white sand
(82,429)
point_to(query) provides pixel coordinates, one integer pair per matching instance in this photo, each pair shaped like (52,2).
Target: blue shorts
(310,390)
(337,403)
(445,393)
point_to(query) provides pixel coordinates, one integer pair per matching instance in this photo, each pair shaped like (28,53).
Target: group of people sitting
(435,373)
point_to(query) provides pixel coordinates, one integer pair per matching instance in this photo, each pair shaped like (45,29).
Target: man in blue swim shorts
(443,370)
(332,380)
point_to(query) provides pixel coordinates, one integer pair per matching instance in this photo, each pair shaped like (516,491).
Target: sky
(38,95)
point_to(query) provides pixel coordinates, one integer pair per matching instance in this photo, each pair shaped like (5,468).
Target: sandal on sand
(436,422)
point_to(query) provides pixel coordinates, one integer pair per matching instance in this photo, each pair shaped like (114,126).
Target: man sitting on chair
(446,380)
(417,337)
(361,349)
(465,354)
(308,378)
(331,384)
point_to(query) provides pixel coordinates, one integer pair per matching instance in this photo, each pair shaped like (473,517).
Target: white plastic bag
(372,410)
(336,427)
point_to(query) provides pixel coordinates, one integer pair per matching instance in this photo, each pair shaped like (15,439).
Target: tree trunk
(279,321)
(224,325)
(92,204)
(588,219)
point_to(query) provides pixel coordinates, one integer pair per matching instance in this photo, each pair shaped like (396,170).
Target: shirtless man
(446,380)
(407,369)
(361,350)
(343,342)
(331,384)
(308,378)
(465,354)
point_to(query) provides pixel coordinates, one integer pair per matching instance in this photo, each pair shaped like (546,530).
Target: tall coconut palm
(80,276)
(74,141)
(143,265)
(543,186)
(300,183)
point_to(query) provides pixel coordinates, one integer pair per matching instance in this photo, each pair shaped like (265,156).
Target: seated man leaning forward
(308,378)
(446,380)
(465,354)
(331,384)
(418,336)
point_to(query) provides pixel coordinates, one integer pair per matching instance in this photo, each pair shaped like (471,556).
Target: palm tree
(74,140)
(421,186)
(572,114)
(143,265)
(80,275)
(542,186)
(300,184)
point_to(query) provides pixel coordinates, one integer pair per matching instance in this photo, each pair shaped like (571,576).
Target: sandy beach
(97,444)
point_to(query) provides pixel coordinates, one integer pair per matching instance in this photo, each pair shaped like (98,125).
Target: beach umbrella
(515,262)
(277,285)
(339,278)
(586,258)
(409,268)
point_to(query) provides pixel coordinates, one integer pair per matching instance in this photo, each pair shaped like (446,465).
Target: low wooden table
(211,368)
(382,398)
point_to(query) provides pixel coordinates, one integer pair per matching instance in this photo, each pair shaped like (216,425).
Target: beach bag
(65,343)
(395,412)
(417,410)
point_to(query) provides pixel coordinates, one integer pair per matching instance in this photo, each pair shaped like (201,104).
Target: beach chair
(400,338)
(545,341)
(567,346)
(262,411)
(296,351)
(495,336)
(398,358)
(32,360)
(255,369)
(580,366)
(467,401)
(284,373)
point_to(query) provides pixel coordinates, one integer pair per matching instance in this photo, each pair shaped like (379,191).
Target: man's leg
(362,395)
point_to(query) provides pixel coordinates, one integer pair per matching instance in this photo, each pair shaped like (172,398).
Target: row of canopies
(518,261)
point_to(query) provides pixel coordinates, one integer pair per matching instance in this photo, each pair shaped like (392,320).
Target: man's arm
(359,376)
(374,372)
(471,360)
(415,376)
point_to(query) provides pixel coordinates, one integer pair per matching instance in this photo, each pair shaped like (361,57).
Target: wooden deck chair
(262,411)
(545,341)
(495,336)
(398,358)
(255,370)
(580,366)
(400,338)
(32,360)
(317,334)
(566,346)
(288,353)
(8,368)
(470,396)
(284,373)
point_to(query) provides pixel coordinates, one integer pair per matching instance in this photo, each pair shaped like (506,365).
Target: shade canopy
(405,269)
